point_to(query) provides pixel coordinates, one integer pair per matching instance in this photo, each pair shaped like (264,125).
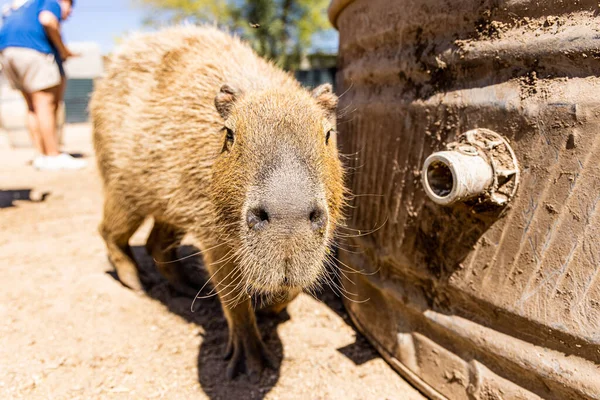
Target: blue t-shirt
(22,28)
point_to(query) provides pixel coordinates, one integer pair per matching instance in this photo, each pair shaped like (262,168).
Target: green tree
(281,30)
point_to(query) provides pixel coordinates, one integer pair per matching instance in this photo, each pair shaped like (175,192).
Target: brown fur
(161,118)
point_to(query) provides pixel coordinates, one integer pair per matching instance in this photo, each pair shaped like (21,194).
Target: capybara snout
(287,234)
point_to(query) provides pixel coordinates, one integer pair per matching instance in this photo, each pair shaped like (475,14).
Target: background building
(81,72)
(317,68)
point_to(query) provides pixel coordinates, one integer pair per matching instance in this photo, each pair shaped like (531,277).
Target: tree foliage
(281,30)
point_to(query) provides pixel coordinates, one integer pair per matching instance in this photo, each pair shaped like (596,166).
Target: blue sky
(102,21)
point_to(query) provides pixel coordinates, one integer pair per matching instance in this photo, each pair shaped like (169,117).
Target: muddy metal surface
(69,330)
(468,301)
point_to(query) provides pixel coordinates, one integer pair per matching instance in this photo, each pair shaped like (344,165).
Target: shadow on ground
(209,316)
(8,197)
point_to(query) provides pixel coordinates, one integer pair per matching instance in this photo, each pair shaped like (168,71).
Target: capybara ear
(225,99)
(326,98)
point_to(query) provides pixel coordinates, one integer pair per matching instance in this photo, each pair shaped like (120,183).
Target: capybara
(194,129)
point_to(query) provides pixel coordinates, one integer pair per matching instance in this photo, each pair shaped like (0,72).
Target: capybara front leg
(116,228)
(246,351)
(162,246)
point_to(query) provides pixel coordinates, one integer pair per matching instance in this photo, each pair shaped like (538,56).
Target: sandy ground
(69,330)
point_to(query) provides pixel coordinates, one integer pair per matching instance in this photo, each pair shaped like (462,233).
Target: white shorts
(29,70)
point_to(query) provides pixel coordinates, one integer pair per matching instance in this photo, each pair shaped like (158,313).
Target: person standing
(32,53)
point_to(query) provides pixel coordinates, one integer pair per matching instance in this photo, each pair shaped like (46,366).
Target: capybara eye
(229,138)
(328,135)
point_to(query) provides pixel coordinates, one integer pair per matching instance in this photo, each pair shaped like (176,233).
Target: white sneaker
(61,161)
(38,161)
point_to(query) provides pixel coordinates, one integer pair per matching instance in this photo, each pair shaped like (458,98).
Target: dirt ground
(69,330)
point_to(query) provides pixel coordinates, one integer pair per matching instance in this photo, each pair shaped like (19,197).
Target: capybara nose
(317,218)
(286,215)
(257,218)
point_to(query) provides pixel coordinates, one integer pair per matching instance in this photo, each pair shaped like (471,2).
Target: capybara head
(278,184)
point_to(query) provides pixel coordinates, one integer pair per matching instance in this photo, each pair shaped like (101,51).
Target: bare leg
(61,92)
(162,245)
(246,351)
(33,124)
(44,104)
(117,228)
(61,95)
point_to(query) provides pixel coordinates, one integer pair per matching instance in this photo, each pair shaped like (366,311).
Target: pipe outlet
(451,176)
(480,164)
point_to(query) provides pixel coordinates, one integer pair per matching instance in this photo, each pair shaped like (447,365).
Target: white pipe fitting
(456,175)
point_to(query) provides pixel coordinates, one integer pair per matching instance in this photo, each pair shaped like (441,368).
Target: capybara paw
(248,359)
(131,280)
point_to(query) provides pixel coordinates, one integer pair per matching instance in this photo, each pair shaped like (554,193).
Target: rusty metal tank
(493,293)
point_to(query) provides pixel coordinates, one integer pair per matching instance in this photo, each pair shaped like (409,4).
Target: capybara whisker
(178,259)
(344,292)
(202,288)
(361,233)
(228,256)
(335,271)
